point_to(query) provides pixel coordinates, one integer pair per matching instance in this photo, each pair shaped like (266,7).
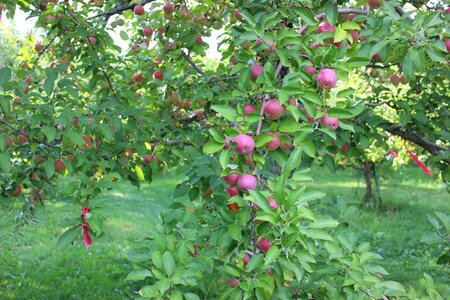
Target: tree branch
(119,10)
(171,142)
(401,12)
(26,134)
(414,137)
(192,63)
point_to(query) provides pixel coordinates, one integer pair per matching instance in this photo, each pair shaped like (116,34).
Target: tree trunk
(367,171)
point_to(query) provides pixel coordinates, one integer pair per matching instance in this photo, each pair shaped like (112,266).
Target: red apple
(60,167)
(245,144)
(158,75)
(17,191)
(325,27)
(310,70)
(272,202)
(148,159)
(198,39)
(264,244)
(232,191)
(285,142)
(248,108)
(246,182)
(148,31)
(231,178)
(38,47)
(257,70)
(139,10)
(168,8)
(326,79)
(274,144)
(208,192)
(333,123)
(273,109)
(375,3)
(92,40)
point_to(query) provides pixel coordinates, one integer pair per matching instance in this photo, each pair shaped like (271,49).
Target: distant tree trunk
(372,200)
(367,171)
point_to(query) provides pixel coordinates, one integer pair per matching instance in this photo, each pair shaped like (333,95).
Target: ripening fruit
(138,78)
(139,10)
(87,140)
(22,139)
(246,182)
(248,108)
(9,141)
(232,191)
(355,36)
(274,144)
(285,142)
(237,13)
(272,202)
(60,167)
(351,16)
(325,27)
(158,75)
(233,282)
(273,109)
(148,159)
(375,3)
(245,144)
(38,47)
(168,8)
(344,148)
(395,79)
(29,80)
(293,102)
(315,45)
(92,40)
(198,39)
(333,123)
(257,70)
(231,178)
(208,192)
(246,259)
(17,191)
(310,70)
(264,245)
(447,45)
(148,31)
(326,79)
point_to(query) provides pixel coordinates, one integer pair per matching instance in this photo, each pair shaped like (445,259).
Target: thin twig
(192,63)
(119,9)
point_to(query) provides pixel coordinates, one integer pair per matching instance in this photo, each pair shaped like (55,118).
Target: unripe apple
(87,140)
(395,79)
(264,244)
(231,178)
(344,148)
(315,45)
(38,47)
(375,3)
(92,40)
(285,142)
(148,159)
(17,191)
(60,167)
(139,10)
(326,79)
(355,36)
(272,202)
(148,31)
(22,139)
(273,109)
(232,191)
(198,39)
(246,182)
(447,45)
(168,8)
(208,192)
(138,77)
(245,144)
(310,70)
(274,144)
(248,108)
(9,141)
(325,27)
(158,75)
(257,70)
(246,259)
(293,102)
(29,80)
(333,123)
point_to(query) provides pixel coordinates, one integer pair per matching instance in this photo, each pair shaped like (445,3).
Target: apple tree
(242,129)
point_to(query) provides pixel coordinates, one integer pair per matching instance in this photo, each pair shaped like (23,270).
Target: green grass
(31,267)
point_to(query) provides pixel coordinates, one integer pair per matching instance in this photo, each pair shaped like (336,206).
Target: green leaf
(310,195)
(49,167)
(272,254)
(318,234)
(378,47)
(74,137)
(212,147)
(435,55)
(345,93)
(312,96)
(232,270)
(418,57)
(340,113)
(306,15)
(260,200)
(408,66)
(139,275)
(168,263)
(309,147)
(350,25)
(262,139)
(50,132)
(217,135)
(294,160)
(255,261)
(328,131)
(324,223)
(149,291)
(358,62)
(224,158)
(124,35)
(331,12)
(68,237)
(2,142)
(106,131)
(235,232)
(339,34)
(5,75)
(5,162)
(227,112)
(289,126)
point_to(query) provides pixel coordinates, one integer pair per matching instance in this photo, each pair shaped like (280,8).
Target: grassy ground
(30,267)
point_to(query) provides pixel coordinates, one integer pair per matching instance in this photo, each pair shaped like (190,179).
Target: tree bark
(367,171)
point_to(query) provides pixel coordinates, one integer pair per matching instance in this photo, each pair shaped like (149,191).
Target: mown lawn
(31,267)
